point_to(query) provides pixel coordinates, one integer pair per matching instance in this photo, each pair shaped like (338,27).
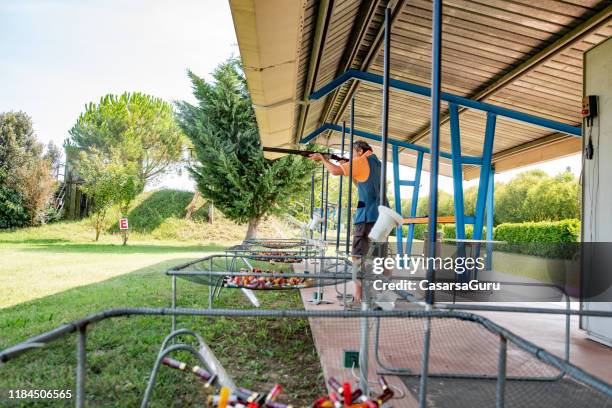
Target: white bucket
(386,221)
(314,222)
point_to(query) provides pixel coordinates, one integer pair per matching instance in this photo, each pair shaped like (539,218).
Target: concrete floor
(457,346)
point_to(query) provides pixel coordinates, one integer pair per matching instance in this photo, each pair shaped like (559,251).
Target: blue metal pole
(350,177)
(457,171)
(415,201)
(339,220)
(322,195)
(436,60)
(485,171)
(397,199)
(490,210)
(385,106)
(325,224)
(458,184)
(312,198)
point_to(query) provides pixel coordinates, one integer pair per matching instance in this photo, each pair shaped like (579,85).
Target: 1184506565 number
(39,394)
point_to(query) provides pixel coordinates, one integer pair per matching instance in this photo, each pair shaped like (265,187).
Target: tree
(230,169)
(53,155)
(509,204)
(25,175)
(138,127)
(37,187)
(18,144)
(553,199)
(107,183)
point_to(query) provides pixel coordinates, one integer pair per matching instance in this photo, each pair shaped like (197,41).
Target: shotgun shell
(357,394)
(383,383)
(274,404)
(200,372)
(214,399)
(273,393)
(335,385)
(335,399)
(224,396)
(385,396)
(210,381)
(170,362)
(346,393)
(319,403)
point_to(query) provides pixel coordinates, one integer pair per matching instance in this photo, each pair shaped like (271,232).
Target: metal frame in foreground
(505,336)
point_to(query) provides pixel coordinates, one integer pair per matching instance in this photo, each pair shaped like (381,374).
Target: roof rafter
(574,35)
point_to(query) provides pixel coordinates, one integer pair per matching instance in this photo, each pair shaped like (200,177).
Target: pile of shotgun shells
(341,395)
(266,282)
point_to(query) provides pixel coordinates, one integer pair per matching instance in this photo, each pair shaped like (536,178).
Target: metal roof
(521,54)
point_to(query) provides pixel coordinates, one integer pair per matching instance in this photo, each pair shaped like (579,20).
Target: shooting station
(462,89)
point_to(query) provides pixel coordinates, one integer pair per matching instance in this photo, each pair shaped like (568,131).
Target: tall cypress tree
(230,169)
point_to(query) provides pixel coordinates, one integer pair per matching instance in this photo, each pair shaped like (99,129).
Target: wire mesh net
(275,254)
(231,271)
(302,353)
(276,243)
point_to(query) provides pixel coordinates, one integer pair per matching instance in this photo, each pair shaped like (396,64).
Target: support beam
(397,198)
(448,97)
(385,107)
(367,13)
(340,182)
(576,34)
(485,172)
(391,141)
(436,99)
(323,17)
(368,61)
(538,151)
(457,173)
(414,202)
(349,219)
(490,211)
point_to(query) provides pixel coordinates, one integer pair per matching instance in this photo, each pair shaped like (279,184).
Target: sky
(58,55)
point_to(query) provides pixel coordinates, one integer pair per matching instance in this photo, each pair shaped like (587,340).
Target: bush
(551,239)
(419,231)
(449,231)
(12,212)
(553,232)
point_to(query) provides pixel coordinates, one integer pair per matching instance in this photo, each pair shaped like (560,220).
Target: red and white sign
(123,224)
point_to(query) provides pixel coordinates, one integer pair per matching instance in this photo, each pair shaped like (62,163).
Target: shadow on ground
(35,241)
(120,249)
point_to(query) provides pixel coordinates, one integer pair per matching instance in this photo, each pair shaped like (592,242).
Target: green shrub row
(550,232)
(551,239)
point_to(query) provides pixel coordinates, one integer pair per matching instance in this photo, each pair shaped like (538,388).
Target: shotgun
(305,153)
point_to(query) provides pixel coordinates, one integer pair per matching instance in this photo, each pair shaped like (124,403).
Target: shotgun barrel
(304,153)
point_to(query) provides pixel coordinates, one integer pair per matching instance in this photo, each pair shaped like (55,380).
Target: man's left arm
(333,169)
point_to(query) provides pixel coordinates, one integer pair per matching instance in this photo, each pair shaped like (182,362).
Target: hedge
(552,239)
(550,232)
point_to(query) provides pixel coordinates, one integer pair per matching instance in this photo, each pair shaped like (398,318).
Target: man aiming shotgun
(366,176)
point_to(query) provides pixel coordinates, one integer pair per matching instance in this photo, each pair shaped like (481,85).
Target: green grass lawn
(55,274)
